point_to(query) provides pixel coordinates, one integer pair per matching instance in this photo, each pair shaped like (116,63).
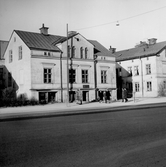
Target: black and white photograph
(82,83)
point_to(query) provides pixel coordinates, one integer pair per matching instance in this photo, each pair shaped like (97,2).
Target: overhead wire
(120,20)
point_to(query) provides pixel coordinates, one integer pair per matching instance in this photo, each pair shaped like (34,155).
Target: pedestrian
(125,95)
(105,97)
(79,96)
(122,94)
(108,96)
(100,97)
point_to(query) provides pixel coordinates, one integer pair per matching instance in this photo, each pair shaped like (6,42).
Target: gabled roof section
(141,51)
(39,41)
(100,49)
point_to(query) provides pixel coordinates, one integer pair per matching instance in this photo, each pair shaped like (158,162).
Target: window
(130,71)
(164,84)
(68,49)
(137,87)
(20,52)
(47,75)
(81,52)
(136,71)
(149,86)
(49,54)
(72,75)
(9,79)
(73,51)
(45,53)
(84,76)
(86,53)
(10,56)
(103,76)
(148,69)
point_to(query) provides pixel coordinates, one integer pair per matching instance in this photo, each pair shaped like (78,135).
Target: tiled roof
(101,50)
(141,51)
(40,41)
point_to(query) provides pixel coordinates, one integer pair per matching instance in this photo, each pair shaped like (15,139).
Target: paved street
(126,138)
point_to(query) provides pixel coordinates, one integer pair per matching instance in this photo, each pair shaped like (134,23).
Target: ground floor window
(149,86)
(137,87)
(47,97)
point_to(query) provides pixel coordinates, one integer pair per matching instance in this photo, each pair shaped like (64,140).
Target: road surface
(130,138)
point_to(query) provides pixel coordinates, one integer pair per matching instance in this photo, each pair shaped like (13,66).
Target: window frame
(149,86)
(84,74)
(137,87)
(19,52)
(72,75)
(47,76)
(148,69)
(136,70)
(104,76)
(129,69)
(81,53)
(86,53)
(10,56)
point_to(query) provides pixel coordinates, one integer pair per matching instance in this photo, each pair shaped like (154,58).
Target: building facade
(37,66)
(142,70)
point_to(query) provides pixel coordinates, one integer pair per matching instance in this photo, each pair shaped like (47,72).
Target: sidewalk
(73,108)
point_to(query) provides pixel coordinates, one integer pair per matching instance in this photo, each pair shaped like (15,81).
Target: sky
(139,20)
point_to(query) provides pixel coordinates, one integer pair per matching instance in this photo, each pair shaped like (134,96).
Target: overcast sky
(138,20)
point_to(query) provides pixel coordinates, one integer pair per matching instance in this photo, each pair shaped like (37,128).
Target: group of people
(104,96)
(124,95)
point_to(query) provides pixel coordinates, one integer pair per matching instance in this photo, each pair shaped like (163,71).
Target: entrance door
(85,96)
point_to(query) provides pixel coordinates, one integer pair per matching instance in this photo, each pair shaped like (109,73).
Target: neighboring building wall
(142,77)
(20,69)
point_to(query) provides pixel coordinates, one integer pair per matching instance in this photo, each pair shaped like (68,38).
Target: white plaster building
(142,69)
(37,66)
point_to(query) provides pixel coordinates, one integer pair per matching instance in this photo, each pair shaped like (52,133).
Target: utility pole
(67,67)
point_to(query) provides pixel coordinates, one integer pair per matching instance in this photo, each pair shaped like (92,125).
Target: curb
(77,111)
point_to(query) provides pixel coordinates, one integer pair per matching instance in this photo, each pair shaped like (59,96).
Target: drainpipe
(61,77)
(95,76)
(142,78)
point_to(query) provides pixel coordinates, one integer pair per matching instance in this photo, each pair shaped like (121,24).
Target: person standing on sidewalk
(125,95)
(122,94)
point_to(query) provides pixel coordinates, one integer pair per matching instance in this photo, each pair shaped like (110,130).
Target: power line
(127,18)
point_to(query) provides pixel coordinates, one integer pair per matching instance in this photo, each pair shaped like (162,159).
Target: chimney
(44,30)
(152,41)
(113,50)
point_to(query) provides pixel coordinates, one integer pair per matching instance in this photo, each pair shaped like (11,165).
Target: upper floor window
(73,52)
(136,70)
(47,75)
(20,52)
(130,71)
(103,76)
(137,89)
(84,76)
(81,52)
(149,86)
(10,56)
(72,75)
(148,69)
(68,49)
(86,53)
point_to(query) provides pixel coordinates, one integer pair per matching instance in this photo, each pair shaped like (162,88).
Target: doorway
(85,96)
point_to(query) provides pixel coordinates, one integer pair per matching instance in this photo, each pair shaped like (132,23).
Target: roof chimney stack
(44,30)
(113,50)
(152,41)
